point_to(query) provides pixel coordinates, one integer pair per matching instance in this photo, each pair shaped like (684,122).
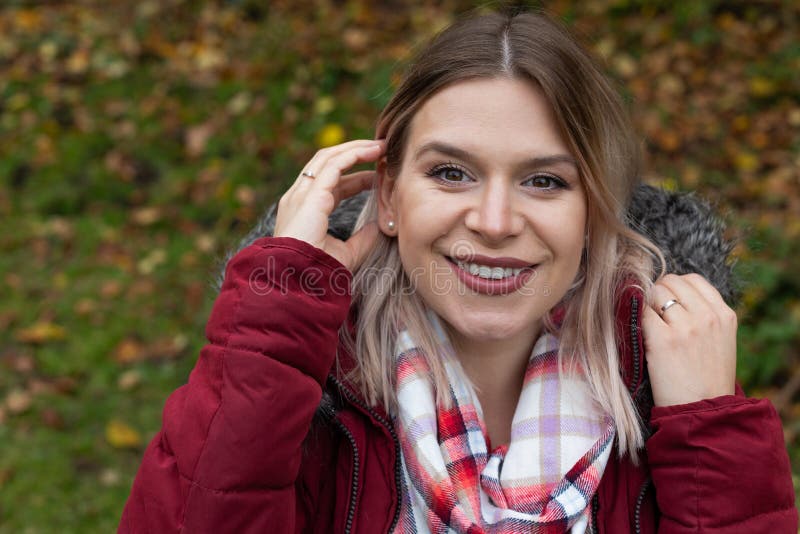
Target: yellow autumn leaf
(41,332)
(760,86)
(207,57)
(121,435)
(668,183)
(78,62)
(28,19)
(324,105)
(741,123)
(746,161)
(331,134)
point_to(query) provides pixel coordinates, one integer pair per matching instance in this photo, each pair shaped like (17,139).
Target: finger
(661,295)
(352,184)
(704,288)
(331,173)
(686,294)
(321,158)
(725,314)
(652,323)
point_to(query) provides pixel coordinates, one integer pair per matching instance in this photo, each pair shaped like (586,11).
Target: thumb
(360,244)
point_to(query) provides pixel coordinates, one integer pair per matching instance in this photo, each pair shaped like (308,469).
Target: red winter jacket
(264,438)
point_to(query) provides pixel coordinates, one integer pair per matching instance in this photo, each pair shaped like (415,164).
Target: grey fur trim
(683,226)
(689,233)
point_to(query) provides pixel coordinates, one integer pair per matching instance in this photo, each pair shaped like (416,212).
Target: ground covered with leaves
(140,140)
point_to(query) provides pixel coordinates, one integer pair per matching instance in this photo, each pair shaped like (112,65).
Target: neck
(497,370)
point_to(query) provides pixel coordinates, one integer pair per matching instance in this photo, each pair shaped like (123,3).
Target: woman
(471,359)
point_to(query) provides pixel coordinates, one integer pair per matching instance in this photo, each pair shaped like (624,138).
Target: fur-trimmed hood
(684,227)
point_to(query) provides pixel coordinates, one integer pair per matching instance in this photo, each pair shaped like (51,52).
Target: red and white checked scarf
(541,482)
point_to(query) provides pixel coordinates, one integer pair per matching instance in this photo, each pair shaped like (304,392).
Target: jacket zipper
(397,467)
(351,507)
(638,510)
(635,343)
(637,525)
(595,508)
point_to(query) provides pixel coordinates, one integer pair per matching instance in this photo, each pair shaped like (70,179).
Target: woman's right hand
(304,209)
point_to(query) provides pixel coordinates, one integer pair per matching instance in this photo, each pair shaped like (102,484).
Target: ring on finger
(310,174)
(667,305)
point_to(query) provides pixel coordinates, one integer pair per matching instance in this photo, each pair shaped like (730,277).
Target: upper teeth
(484,271)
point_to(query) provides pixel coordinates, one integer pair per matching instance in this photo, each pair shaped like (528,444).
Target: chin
(483,329)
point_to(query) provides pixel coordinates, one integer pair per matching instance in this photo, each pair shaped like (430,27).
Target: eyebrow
(451,150)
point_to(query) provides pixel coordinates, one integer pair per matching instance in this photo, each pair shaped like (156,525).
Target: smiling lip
(487,286)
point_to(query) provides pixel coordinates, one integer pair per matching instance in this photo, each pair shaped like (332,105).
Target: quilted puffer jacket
(268,437)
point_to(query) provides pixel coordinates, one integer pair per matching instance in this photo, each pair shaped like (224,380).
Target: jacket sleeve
(720,466)
(228,452)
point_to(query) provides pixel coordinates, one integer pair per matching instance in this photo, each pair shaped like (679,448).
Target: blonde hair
(594,123)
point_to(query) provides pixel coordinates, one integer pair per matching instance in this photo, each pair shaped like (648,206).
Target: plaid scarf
(541,482)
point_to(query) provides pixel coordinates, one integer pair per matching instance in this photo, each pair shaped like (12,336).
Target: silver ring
(667,305)
(308,173)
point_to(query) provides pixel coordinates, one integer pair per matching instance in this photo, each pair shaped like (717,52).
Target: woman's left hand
(691,346)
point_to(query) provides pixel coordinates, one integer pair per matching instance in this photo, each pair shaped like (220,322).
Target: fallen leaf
(110,288)
(22,363)
(84,306)
(109,477)
(41,332)
(197,138)
(245,195)
(205,242)
(146,216)
(329,135)
(18,401)
(746,161)
(324,105)
(149,263)
(239,103)
(129,379)
(128,351)
(761,87)
(52,419)
(120,435)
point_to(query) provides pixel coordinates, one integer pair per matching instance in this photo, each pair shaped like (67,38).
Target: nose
(493,215)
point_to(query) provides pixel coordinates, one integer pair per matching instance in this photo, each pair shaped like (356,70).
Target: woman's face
(489,209)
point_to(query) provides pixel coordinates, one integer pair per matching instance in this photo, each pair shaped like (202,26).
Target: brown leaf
(129,351)
(110,289)
(22,363)
(129,380)
(65,385)
(52,419)
(197,138)
(18,401)
(146,216)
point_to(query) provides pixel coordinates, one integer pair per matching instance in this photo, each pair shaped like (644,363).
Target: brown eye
(546,182)
(449,174)
(452,175)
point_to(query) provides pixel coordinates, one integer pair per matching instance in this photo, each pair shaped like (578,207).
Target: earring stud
(390,225)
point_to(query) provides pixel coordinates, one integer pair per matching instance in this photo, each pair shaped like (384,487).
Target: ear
(386,198)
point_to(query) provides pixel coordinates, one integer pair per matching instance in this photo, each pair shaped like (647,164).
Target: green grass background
(140,140)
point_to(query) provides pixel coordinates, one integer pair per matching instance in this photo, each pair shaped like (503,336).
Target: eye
(546,182)
(449,173)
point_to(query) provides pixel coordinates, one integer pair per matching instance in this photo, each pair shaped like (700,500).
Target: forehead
(500,116)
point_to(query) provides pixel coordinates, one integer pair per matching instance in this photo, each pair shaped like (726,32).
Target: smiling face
(489,210)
